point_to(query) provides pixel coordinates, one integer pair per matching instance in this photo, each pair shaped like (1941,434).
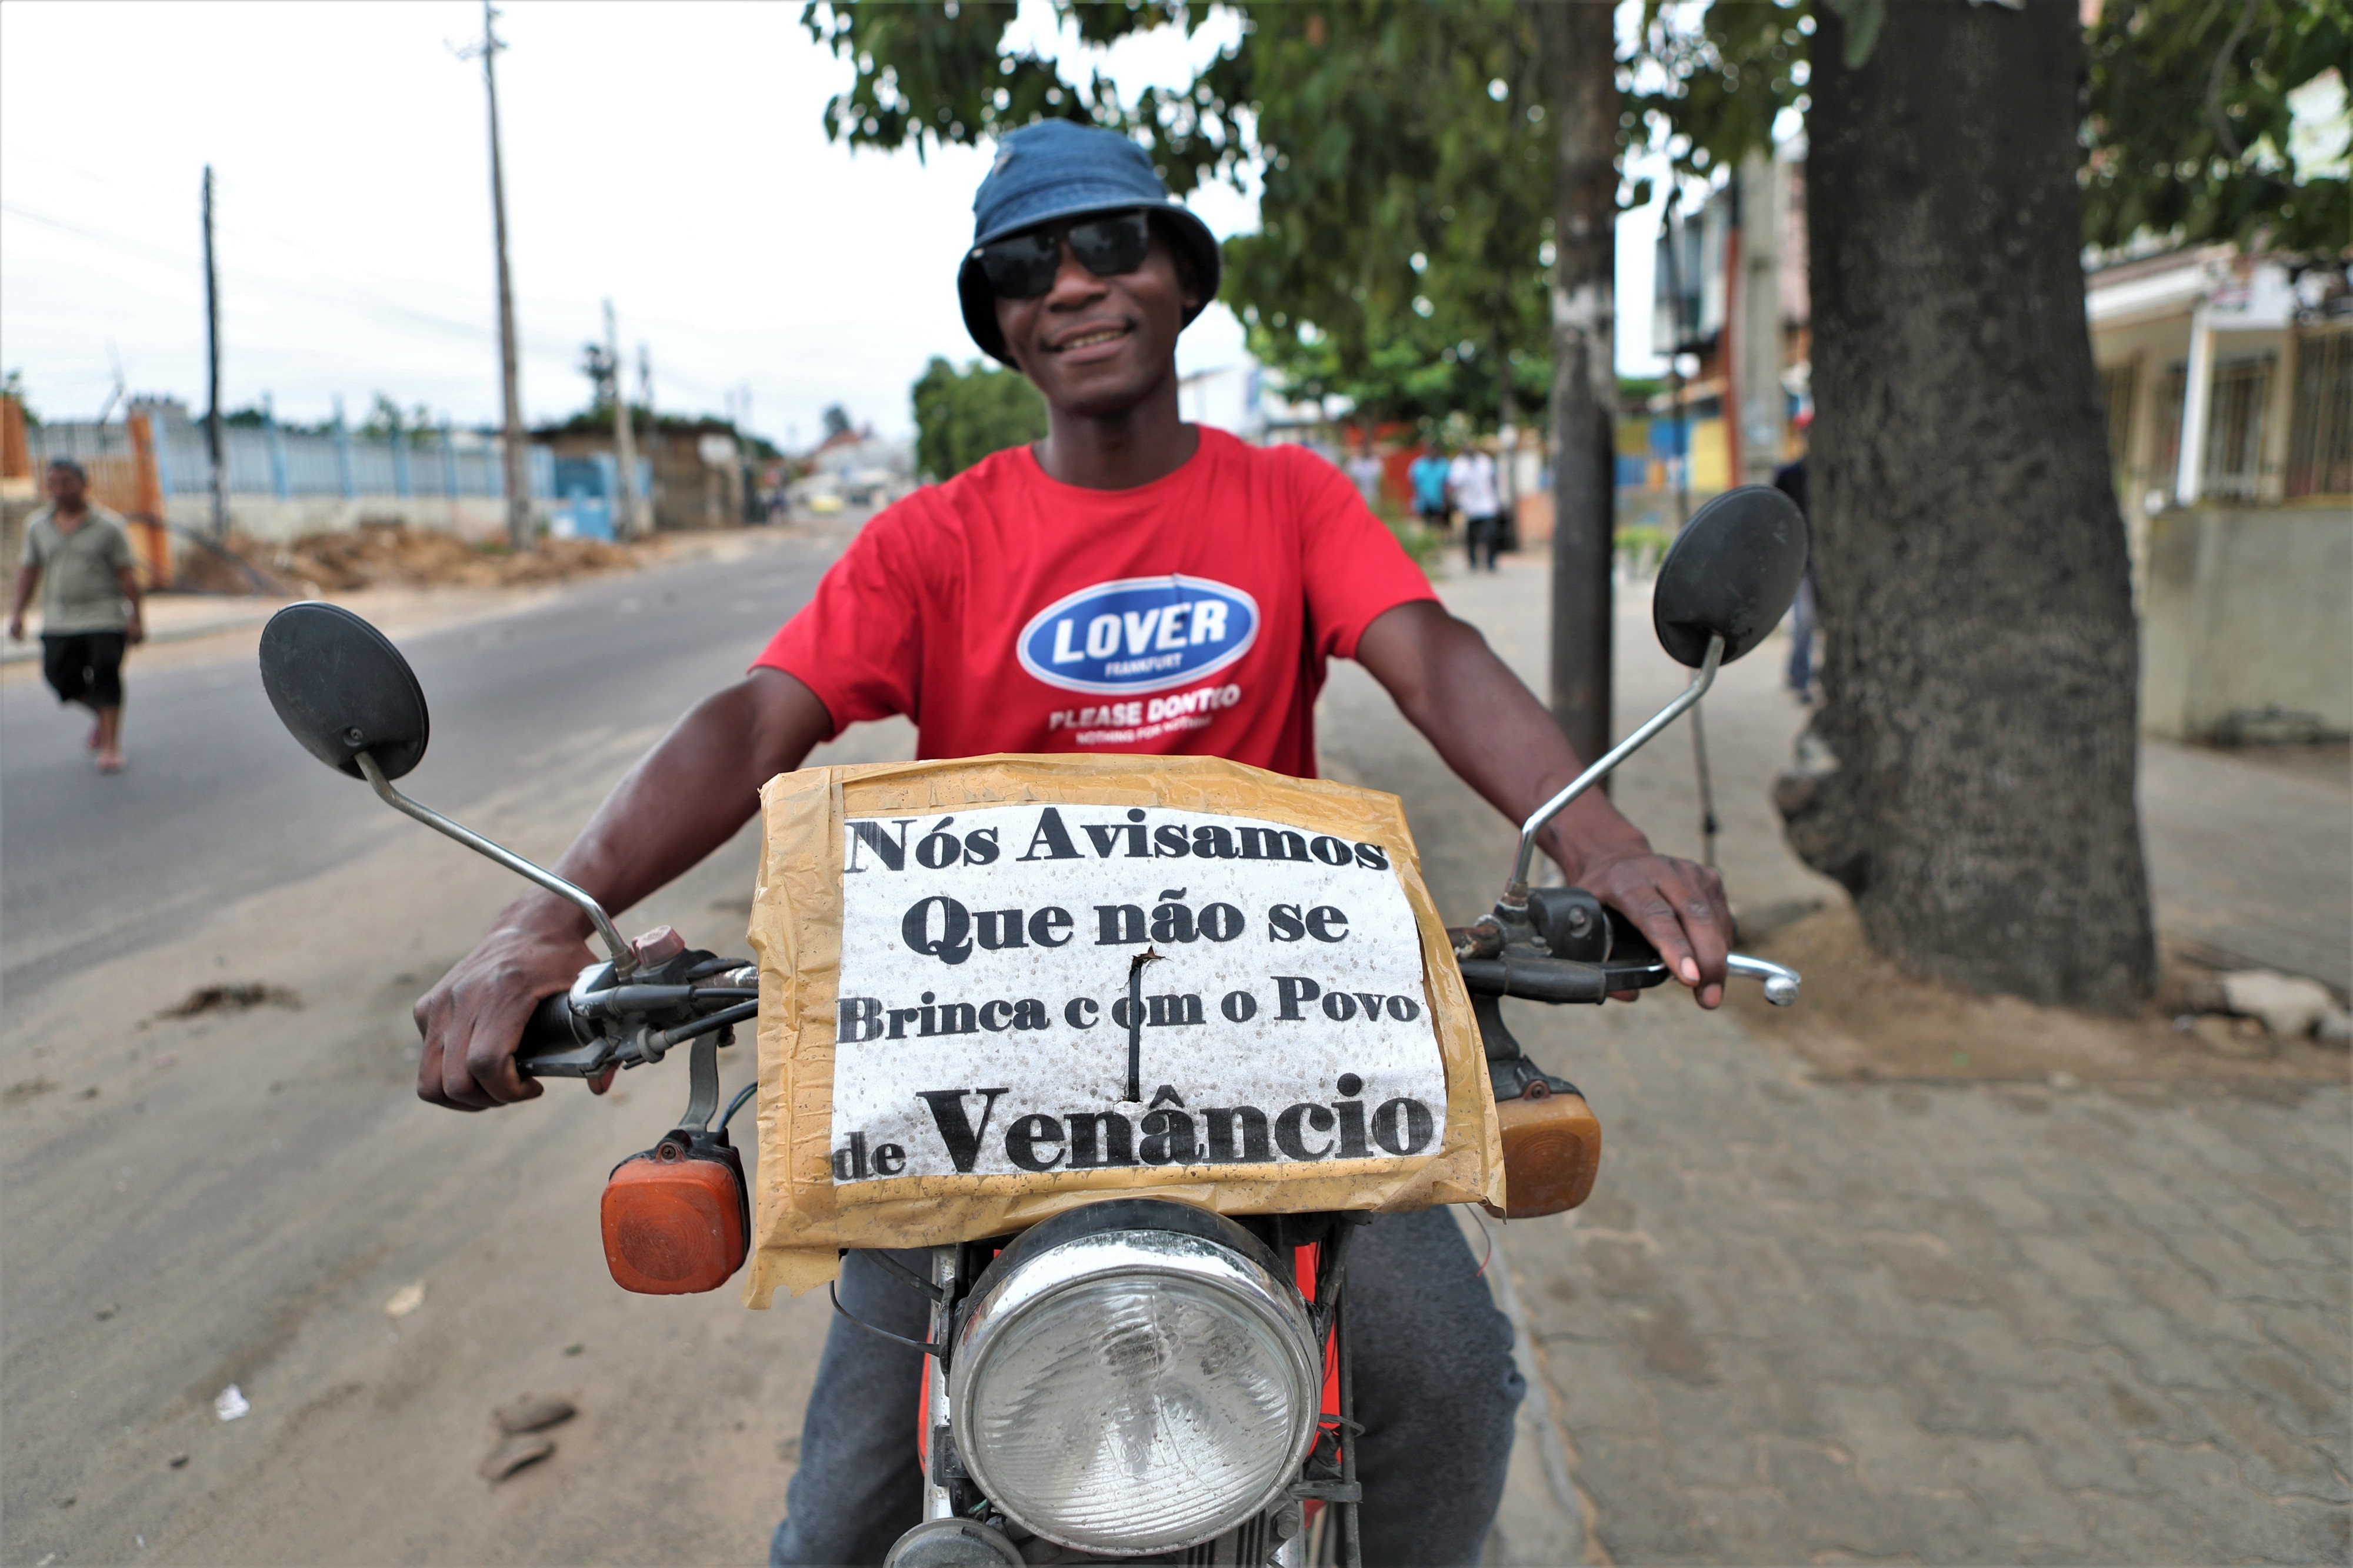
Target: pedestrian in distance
(969,606)
(1789,479)
(77,558)
(1428,474)
(1365,473)
(1470,480)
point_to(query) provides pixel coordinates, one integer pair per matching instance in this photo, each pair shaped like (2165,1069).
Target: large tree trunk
(1971,775)
(1580,70)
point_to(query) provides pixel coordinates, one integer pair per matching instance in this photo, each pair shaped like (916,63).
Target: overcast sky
(669,156)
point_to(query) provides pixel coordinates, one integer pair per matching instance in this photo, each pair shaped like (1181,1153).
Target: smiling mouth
(1088,340)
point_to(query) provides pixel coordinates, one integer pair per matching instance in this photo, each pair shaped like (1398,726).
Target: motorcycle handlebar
(551,1026)
(1535,979)
(552,1030)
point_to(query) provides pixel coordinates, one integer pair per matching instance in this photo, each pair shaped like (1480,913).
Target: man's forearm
(1491,728)
(684,798)
(28,582)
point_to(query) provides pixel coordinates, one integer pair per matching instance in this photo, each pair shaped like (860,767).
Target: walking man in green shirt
(78,555)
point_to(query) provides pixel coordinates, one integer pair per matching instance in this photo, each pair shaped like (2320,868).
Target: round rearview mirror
(341,687)
(1731,572)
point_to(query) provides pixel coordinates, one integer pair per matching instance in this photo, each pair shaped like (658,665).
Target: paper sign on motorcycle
(994,989)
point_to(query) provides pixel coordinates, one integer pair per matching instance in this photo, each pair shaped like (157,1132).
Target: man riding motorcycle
(987,610)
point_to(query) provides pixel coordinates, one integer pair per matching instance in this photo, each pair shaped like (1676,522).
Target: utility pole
(1670,225)
(1580,68)
(518,466)
(646,379)
(212,371)
(1754,377)
(624,446)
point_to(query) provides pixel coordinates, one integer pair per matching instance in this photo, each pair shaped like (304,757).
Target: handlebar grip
(1627,942)
(1535,979)
(552,1027)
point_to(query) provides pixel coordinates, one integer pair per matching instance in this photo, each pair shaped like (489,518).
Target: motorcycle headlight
(1133,1387)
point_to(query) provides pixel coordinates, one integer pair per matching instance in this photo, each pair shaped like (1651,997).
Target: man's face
(1098,346)
(66,488)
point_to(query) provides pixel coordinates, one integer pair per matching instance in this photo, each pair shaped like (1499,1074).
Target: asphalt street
(220,804)
(191,1202)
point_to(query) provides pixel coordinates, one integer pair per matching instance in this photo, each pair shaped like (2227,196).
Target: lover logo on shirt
(1138,634)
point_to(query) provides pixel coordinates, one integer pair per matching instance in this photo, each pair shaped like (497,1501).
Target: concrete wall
(2243,610)
(281,521)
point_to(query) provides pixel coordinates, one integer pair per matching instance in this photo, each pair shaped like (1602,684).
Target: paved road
(220,804)
(1812,1322)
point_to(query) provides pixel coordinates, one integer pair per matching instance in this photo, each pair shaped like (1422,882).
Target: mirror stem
(625,958)
(1516,893)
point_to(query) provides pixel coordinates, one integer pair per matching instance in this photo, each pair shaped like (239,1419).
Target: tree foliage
(963,416)
(1717,81)
(12,384)
(386,421)
(1403,249)
(603,369)
(935,72)
(1400,255)
(2187,130)
(2190,130)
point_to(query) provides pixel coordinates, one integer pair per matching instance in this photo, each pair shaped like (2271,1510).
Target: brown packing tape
(803,1220)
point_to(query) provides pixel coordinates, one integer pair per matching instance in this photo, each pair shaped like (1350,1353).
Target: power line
(348,300)
(352,300)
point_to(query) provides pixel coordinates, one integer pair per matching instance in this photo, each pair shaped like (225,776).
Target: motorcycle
(1136,1379)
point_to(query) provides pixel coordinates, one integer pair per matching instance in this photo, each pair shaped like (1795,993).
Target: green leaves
(963,416)
(935,72)
(2191,134)
(1709,87)
(1387,131)
(1404,213)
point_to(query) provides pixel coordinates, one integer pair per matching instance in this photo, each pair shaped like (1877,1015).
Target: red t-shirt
(1005,611)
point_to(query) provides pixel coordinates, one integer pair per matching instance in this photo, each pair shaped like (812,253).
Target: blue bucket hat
(1057,169)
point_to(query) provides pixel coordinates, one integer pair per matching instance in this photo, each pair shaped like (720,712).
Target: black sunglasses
(1022,266)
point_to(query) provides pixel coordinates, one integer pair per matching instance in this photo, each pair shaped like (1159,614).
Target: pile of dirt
(1859,1018)
(233,996)
(392,554)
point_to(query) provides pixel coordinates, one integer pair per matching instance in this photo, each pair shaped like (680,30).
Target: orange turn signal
(674,1218)
(1552,1151)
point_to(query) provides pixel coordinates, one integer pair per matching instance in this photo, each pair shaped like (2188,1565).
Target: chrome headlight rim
(1133,1238)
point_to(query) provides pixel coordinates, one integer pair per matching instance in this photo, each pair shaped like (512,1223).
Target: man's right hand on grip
(474,1018)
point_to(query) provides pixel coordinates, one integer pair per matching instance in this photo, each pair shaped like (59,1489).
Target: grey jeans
(1436,1390)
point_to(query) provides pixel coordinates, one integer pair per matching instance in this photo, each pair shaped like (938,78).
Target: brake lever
(1628,949)
(1534,978)
(1780,981)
